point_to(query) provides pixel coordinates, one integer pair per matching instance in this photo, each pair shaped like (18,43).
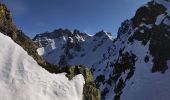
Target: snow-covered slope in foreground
(21,78)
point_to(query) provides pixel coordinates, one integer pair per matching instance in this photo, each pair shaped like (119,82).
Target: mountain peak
(138,48)
(162,1)
(103,33)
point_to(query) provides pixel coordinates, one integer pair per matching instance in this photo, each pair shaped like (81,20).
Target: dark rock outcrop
(8,28)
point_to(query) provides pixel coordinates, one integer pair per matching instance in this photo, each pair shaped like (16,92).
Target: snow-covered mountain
(73,48)
(23,79)
(132,66)
(24,73)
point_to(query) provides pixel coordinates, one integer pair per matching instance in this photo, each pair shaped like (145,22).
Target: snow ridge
(23,79)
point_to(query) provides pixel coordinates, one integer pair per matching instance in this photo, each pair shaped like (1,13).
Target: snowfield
(21,78)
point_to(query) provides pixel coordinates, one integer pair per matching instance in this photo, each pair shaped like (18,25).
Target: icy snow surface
(21,78)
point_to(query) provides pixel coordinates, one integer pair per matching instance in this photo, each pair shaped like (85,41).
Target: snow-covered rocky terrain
(67,47)
(132,66)
(23,79)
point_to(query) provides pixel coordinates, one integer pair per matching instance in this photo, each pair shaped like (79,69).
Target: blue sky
(91,16)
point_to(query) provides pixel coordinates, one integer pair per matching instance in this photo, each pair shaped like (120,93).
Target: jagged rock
(127,62)
(156,34)
(90,91)
(8,28)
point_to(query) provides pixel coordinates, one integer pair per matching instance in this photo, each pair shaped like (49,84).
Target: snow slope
(77,48)
(23,79)
(144,84)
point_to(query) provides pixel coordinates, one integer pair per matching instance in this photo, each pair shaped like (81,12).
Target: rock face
(90,91)
(124,67)
(157,17)
(8,28)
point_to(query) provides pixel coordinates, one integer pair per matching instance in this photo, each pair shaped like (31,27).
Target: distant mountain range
(132,66)
(71,65)
(27,76)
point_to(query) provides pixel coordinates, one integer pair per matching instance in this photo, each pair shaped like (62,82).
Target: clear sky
(91,16)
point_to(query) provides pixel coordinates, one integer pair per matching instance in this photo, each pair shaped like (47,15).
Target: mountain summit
(27,76)
(132,66)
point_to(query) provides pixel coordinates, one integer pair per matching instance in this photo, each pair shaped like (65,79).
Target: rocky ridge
(7,27)
(139,56)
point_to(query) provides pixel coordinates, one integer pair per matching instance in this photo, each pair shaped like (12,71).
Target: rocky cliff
(132,66)
(8,28)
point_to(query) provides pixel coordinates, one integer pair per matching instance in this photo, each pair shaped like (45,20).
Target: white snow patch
(141,31)
(71,40)
(21,78)
(146,25)
(159,19)
(167,21)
